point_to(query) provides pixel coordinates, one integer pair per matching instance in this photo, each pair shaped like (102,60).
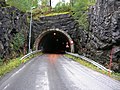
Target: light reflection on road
(53,57)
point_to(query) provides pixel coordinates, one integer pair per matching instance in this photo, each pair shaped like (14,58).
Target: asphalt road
(56,72)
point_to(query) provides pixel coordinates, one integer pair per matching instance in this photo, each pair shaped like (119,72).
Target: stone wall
(63,22)
(104,33)
(12,21)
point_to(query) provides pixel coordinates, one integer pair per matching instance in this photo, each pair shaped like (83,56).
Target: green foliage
(23,5)
(80,11)
(44,2)
(8,67)
(18,41)
(45,9)
(62,7)
(1,61)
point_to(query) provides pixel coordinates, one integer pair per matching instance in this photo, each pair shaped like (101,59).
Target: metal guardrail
(29,54)
(89,60)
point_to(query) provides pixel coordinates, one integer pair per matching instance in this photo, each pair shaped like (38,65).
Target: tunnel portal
(54,41)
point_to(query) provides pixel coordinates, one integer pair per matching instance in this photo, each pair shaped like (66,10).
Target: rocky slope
(104,34)
(12,21)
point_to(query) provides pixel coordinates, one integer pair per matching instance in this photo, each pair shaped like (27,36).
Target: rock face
(99,43)
(104,34)
(12,21)
(2,3)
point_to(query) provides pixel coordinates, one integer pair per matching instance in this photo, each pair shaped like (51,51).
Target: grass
(14,63)
(93,67)
(54,14)
(38,15)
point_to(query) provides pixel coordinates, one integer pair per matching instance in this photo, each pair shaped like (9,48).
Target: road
(56,72)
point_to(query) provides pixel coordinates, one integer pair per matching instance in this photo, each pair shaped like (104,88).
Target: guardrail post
(110,64)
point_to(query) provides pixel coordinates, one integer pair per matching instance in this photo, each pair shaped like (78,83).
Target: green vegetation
(18,41)
(5,68)
(53,14)
(37,14)
(12,64)
(78,8)
(80,11)
(23,5)
(17,44)
(93,67)
(115,76)
(62,7)
(1,61)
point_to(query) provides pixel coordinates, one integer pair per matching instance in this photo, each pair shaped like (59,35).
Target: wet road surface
(56,72)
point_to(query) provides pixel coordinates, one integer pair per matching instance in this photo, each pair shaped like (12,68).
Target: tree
(80,11)
(24,5)
(18,41)
(72,2)
(50,3)
(45,2)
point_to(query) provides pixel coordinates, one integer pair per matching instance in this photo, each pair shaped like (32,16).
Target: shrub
(23,5)
(18,42)
(80,11)
(1,61)
(62,7)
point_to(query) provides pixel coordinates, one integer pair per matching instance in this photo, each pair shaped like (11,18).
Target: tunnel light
(71,42)
(67,46)
(57,40)
(63,43)
(54,33)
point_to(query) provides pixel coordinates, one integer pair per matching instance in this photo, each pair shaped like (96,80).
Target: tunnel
(54,41)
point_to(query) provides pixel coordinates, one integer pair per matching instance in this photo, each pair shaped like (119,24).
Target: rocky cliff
(104,34)
(97,43)
(12,21)
(2,3)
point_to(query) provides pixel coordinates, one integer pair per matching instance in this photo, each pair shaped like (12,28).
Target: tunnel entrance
(54,41)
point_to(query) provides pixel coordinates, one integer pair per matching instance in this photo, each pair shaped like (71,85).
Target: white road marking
(18,71)
(42,82)
(6,86)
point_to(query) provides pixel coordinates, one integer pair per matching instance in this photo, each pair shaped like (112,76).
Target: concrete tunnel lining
(46,40)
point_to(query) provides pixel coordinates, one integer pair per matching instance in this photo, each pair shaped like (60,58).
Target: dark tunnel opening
(54,42)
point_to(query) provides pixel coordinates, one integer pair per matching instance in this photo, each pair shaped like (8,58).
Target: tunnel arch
(48,34)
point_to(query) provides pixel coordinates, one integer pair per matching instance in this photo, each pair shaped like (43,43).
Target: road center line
(42,82)
(6,86)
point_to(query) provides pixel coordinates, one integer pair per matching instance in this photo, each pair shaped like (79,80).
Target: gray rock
(104,33)
(12,21)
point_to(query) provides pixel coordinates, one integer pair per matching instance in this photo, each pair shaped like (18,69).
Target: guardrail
(29,54)
(89,60)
